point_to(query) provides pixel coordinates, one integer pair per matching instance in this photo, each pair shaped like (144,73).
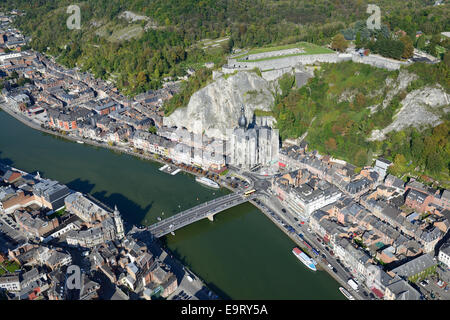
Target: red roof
(377,292)
(14,176)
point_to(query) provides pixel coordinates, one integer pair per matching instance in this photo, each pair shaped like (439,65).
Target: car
(330,266)
(295,219)
(440,284)
(335,270)
(365,293)
(423,283)
(284,210)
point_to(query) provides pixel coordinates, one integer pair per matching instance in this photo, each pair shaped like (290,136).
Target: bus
(249,192)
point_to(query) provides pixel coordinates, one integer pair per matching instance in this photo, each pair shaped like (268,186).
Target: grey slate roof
(415,266)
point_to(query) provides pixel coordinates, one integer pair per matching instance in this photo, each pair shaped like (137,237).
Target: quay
(172,170)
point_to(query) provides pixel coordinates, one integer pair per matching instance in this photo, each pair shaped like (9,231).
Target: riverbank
(299,241)
(155,158)
(231,254)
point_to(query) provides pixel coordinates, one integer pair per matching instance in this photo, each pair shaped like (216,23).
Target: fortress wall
(277,67)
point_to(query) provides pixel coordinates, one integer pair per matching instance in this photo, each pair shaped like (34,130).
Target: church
(253,144)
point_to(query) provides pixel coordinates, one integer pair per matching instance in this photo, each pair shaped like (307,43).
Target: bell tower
(119,224)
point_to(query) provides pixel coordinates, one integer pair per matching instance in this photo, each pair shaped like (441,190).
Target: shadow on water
(131,212)
(81,185)
(5,161)
(217,291)
(178,257)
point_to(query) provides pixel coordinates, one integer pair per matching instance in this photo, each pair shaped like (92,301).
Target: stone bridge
(204,210)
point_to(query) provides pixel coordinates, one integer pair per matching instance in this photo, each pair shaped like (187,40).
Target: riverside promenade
(271,212)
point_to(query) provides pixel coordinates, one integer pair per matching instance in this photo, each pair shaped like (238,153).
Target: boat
(175,172)
(307,261)
(207,182)
(163,167)
(80,142)
(346,293)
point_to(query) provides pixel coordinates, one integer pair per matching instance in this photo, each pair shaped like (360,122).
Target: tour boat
(307,261)
(207,182)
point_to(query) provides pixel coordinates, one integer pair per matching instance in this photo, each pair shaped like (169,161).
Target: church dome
(242,119)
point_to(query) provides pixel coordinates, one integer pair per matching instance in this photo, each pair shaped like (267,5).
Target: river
(240,255)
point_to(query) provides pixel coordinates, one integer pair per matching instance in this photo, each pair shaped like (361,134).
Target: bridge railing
(154,228)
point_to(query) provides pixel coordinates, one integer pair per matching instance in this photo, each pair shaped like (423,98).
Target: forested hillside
(138,58)
(338,109)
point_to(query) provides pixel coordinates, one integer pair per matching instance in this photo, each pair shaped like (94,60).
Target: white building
(381,166)
(444,254)
(309,200)
(10,283)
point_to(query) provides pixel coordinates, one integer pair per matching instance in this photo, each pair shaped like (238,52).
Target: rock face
(216,108)
(420,107)
(403,80)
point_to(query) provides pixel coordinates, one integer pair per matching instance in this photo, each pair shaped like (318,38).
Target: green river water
(241,255)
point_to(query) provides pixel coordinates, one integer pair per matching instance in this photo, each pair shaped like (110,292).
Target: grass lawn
(58,213)
(10,266)
(309,48)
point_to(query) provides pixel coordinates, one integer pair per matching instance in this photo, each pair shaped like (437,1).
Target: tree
(358,40)
(434,162)
(152,129)
(447,59)
(331,144)
(420,43)
(360,99)
(339,43)
(286,82)
(399,166)
(408,49)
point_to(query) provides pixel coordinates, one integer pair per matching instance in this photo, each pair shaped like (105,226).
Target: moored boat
(307,261)
(346,293)
(207,182)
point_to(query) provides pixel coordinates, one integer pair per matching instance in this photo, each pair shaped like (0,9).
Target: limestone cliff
(216,108)
(420,107)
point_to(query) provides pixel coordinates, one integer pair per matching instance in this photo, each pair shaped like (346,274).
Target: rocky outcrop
(401,83)
(420,107)
(216,108)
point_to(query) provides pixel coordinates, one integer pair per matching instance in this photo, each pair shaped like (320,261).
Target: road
(196,213)
(274,210)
